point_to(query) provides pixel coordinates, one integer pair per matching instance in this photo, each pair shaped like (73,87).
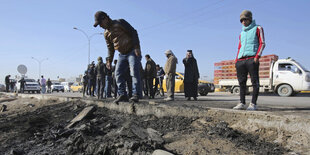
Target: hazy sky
(44,29)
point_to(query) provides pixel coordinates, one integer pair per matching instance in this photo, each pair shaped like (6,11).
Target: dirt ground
(31,126)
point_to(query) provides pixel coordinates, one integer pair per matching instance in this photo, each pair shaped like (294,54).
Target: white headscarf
(170,52)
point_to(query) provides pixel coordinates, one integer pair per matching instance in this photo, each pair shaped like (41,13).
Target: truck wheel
(236,91)
(285,90)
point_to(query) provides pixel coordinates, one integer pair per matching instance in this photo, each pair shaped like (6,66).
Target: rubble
(2,107)
(77,128)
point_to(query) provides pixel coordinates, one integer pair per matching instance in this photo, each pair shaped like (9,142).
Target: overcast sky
(44,29)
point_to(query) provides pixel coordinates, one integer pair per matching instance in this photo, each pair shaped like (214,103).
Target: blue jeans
(124,61)
(108,84)
(43,89)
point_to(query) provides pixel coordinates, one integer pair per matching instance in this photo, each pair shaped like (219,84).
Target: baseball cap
(99,16)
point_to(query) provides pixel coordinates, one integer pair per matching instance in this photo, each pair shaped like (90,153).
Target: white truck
(286,77)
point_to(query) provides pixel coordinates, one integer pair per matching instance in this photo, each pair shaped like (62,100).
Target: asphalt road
(266,102)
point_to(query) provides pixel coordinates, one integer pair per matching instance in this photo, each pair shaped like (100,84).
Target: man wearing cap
(251,46)
(170,68)
(121,36)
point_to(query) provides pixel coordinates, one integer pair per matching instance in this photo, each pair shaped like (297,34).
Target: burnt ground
(43,131)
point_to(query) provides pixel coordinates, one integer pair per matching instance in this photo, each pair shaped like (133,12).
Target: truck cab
(289,77)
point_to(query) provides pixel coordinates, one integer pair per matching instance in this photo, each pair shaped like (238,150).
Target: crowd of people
(131,82)
(10,85)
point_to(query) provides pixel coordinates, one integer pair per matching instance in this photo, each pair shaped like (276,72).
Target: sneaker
(122,98)
(252,107)
(239,106)
(135,98)
(169,99)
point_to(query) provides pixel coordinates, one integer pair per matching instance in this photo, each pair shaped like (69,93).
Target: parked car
(56,86)
(31,85)
(77,87)
(67,86)
(2,87)
(204,87)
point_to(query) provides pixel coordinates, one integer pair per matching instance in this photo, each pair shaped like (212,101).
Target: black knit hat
(246,14)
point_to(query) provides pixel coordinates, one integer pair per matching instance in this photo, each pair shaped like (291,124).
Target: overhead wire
(183,16)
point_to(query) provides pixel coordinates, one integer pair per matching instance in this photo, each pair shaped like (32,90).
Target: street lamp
(39,61)
(88,38)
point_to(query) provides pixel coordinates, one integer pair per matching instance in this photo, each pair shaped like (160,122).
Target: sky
(44,30)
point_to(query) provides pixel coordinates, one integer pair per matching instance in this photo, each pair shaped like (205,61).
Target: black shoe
(189,98)
(122,98)
(195,98)
(135,98)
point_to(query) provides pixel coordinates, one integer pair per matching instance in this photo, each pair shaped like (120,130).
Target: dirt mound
(109,132)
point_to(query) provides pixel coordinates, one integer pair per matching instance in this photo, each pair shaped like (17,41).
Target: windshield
(302,67)
(30,80)
(56,83)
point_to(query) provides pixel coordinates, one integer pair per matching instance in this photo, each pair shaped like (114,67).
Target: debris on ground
(43,130)
(2,107)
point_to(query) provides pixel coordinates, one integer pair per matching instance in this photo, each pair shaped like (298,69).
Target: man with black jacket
(150,74)
(7,83)
(121,36)
(22,85)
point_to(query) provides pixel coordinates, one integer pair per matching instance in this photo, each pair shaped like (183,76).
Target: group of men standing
(121,36)
(97,79)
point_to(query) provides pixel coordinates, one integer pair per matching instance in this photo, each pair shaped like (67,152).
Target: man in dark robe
(191,76)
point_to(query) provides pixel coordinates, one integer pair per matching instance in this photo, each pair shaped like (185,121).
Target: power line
(185,15)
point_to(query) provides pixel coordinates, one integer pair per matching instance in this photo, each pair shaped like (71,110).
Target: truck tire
(236,91)
(285,90)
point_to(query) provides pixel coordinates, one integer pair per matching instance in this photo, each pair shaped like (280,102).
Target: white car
(31,85)
(67,86)
(56,86)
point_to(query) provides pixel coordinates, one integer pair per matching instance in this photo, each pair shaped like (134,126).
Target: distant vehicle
(285,77)
(2,87)
(67,86)
(31,85)
(204,87)
(76,87)
(56,86)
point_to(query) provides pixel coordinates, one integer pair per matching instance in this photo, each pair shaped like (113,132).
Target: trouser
(91,87)
(108,85)
(124,61)
(170,82)
(43,89)
(49,89)
(22,88)
(7,87)
(100,86)
(115,87)
(243,68)
(129,85)
(149,86)
(159,81)
(84,88)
